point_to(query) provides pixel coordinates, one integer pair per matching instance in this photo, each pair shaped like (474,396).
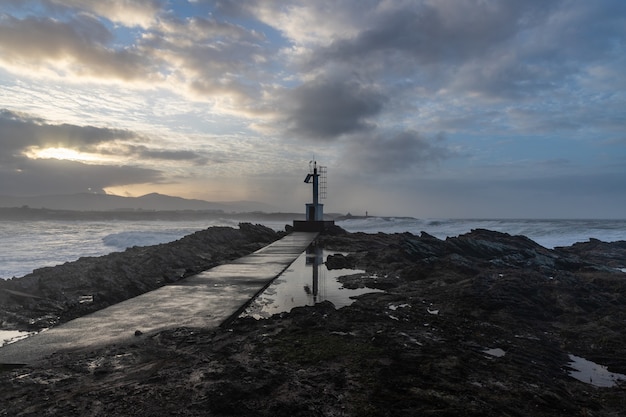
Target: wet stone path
(204,300)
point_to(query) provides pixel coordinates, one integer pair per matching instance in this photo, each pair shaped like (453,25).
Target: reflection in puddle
(305,282)
(496,352)
(592,373)
(12,336)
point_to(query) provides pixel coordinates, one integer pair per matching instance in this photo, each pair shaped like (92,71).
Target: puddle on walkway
(305,282)
(592,373)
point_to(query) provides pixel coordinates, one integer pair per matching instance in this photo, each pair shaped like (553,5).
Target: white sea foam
(30,245)
(123,240)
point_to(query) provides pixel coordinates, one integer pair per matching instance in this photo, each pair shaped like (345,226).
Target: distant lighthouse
(315,210)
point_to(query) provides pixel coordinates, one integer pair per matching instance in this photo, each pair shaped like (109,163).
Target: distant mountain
(148,202)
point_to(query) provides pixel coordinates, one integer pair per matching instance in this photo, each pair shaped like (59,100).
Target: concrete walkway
(203,300)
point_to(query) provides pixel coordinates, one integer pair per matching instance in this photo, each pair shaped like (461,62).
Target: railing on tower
(323,185)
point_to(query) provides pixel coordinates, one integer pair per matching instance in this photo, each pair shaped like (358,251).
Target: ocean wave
(548,233)
(30,245)
(381,224)
(124,240)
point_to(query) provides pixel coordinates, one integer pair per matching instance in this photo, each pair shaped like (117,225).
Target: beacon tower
(314,214)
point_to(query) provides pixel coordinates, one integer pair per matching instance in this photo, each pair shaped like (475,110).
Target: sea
(28,245)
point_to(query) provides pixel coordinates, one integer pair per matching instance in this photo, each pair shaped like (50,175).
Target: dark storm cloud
(502,49)
(324,109)
(398,152)
(435,33)
(22,176)
(20,131)
(143,153)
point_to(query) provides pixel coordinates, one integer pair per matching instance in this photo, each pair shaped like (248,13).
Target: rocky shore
(54,295)
(484,324)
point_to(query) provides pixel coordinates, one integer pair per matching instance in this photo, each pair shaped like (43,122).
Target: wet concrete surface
(203,300)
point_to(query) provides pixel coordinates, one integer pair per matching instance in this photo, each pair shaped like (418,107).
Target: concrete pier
(204,300)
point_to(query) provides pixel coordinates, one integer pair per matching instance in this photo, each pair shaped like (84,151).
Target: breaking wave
(548,233)
(124,240)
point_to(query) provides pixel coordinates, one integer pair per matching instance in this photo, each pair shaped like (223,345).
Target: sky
(424,108)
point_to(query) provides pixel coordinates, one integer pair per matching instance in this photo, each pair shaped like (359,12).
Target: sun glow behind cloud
(63,154)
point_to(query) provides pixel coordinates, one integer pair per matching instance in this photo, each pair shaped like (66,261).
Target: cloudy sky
(427,108)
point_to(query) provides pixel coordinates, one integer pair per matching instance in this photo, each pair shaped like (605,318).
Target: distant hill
(148,202)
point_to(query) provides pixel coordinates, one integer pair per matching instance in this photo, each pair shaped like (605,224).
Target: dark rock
(597,252)
(340,261)
(334,230)
(479,325)
(122,275)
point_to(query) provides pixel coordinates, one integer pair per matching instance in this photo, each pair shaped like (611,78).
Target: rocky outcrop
(57,294)
(482,324)
(598,252)
(478,249)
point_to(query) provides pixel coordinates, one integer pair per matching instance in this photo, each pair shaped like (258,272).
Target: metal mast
(314,218)
(315,210)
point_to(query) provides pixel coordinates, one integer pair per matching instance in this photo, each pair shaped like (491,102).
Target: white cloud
(311,24)
(78,47)
(143,13)
(241,89)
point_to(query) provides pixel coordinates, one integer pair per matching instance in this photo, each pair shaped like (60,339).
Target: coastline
(32,244)
(482,324)
(53,295)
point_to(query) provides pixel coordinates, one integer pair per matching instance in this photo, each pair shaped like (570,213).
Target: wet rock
(419,348)
(598,252)
(122,275)
(340,261)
